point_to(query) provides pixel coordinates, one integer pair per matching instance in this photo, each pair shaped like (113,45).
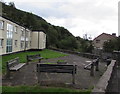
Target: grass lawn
(118,68)
(38,89)
(46,54)
(50,63)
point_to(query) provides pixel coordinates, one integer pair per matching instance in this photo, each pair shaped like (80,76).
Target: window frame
(10,27)
(1,43)
(2,26)
(9,46)
(9,41)
(16,29)
(16,42)
(22,32)
(22,44)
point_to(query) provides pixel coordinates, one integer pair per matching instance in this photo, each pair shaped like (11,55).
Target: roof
(105,34)
(39,31)
(6,18)
(22,25)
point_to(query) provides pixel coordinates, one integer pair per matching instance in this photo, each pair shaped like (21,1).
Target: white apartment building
(14,38)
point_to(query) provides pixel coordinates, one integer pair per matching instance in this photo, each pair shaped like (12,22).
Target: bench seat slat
(57,71)
(55,68)
(35,58)
(17,67)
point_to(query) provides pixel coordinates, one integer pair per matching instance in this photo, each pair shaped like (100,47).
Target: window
(1,42)
(97,41)
(22,32)
(9,34)
(30,43)
(9,38)
(26,44)
(9,45)
(15,29)
(22,44)
(1,25)
(9,27)
(15,43)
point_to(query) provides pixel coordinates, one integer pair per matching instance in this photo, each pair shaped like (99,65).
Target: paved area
(28,75)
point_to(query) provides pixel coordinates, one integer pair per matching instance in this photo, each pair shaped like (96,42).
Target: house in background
(15,38)
(98,42)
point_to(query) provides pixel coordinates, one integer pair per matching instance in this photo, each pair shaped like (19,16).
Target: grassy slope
(46,54)
(39,89)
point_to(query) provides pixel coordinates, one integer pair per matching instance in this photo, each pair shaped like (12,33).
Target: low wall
(103,82)
(87,55)
(22,51)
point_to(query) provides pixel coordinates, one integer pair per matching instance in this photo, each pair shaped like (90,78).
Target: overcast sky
(80,17)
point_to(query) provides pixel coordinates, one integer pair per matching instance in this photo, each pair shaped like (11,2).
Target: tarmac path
(28,75)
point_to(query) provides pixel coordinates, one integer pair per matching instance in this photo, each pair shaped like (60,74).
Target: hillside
(57,36)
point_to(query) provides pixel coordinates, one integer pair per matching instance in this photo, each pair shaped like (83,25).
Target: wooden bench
(91,65)
(88,66)
(13,65)
(34,57)
(56,68)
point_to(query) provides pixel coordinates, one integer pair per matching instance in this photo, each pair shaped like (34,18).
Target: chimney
(114,34)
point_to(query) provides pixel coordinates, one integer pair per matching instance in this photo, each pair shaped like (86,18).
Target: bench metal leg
(73,78)
(97,68)
(38,75)
(39,60)
(8,71)
(8,74)
(92,70)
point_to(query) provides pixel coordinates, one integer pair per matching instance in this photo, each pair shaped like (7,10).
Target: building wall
(99,41)
(42,40)
(38,40)
(22,39)
(3,37)
(34,44)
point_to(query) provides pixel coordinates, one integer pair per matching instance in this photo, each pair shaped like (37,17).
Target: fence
(87,55)
(116,56)
(103,84)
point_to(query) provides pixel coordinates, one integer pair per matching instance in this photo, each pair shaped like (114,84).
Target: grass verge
(38,89)
(46,54)
(49,63)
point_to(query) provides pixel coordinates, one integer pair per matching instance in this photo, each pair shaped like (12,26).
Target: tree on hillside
(11,4)
(118,44)
(111,45)
(57,36)
(84,45)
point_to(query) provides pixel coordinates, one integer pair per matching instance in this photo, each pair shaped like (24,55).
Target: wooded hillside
(57,36)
